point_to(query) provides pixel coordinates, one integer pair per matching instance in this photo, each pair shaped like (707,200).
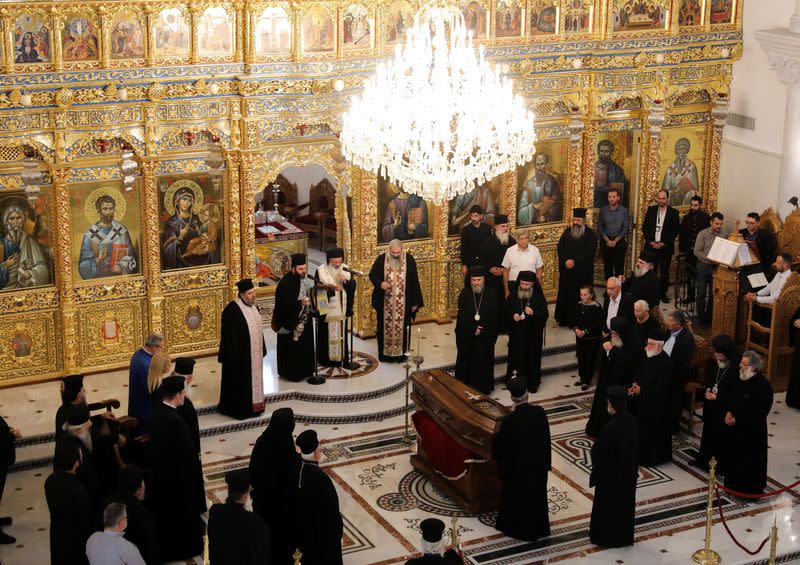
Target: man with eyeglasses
(109,547)
(764,241)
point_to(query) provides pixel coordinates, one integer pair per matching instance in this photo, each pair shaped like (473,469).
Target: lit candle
(418,349)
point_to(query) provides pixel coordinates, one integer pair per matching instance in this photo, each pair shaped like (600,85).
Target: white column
(783,49)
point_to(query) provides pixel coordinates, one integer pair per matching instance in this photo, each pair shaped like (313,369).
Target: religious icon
(488,196)
(721,11)
(215,32)
(639,15)
(191,212)
(401,215)
(21,343)
(475,19)
(543,17)
(127,36)
(172,33)
(356,28)
(681,163)
(399,16)
(319,31)
(273,32)
(109,245)
(79,39)
(31,39)
(540,184)
(508,19)
(578,16)
(690,13)
(25,256)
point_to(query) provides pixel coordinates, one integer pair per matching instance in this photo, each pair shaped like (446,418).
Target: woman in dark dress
(588,332)
(793,390)
(719,384)
(619,369)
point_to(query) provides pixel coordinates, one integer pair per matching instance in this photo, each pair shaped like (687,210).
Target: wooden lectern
(470,419)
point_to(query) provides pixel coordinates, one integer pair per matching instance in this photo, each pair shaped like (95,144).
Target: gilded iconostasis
(135,137)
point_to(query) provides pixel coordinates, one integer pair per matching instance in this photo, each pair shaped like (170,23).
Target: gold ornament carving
(203,308)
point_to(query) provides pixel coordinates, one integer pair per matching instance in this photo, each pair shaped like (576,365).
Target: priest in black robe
(499,244)
(318,523)
(338,286)
(793,389)
(719,384)
(236,535)
(576,250)
(615,470)
(8,455)
(476,239)
(525,315)
(476,333)
(652,389)
(396,298)
(644,283)
(271,463)
(175,490)
(241,352)
(749,404)
(621,354)
(588,335)
(521,448)
(291,319)
(433,549)
(71,514)
(184,367)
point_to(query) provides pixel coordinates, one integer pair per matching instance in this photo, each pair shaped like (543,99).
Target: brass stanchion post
(708,556)
(773,546)
(407,439)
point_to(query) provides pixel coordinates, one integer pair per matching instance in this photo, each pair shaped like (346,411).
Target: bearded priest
(476,332)
(334,306)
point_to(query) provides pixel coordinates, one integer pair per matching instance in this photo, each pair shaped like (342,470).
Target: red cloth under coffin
(444,453)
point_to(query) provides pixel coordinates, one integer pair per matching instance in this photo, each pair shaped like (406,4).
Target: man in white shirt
(109,547)
(770,293)
(521,257)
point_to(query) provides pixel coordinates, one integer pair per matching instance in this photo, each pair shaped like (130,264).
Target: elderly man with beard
(291,319)
(333,348)
(476,333)
(576,250)
(652,389)
(748,403)
(107,249)
(643,285)
(525,314)
(22,262)
(433,548)
(501,242)
(718,387)
(660,228)
(540,200)
(396,298)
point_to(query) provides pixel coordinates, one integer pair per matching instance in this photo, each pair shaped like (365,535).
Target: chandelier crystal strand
(438,119)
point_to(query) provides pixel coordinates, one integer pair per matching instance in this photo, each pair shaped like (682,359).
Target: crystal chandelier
(437,119)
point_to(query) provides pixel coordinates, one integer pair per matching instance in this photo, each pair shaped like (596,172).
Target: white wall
(750,161)
(305,178)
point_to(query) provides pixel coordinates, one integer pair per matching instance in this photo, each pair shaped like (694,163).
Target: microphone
(353,271)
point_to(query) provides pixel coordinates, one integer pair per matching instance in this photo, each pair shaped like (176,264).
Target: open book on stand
(732,253)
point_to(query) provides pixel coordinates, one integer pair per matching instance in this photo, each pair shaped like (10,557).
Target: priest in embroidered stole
(241,353)
(336,290)
(396,298)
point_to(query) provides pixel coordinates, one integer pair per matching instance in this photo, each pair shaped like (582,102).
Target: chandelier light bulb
(338,85)
(438,118)
(213,88)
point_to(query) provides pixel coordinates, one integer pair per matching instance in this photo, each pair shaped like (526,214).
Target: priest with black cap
(476,241)
(184,367)
(236,535)
(333,348)
(318,523)
(72,517)
(615,470)
(644,284)
(433,550)
(78,432)
(525,314)
(521,448)
(500,243)
(476,332)
(576,251)
(241,353)
(73,393)
(177,495)
(291,319)
(653,391)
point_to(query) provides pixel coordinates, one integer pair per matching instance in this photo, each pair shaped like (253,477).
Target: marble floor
(360,420)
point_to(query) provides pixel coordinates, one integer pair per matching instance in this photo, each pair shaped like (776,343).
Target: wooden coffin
(470,418)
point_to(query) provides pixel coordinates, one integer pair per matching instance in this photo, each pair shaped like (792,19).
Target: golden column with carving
(249,178)
(250,39)
(58,60)
(652,183)
(242,27)
(194,13)
(233,163)
(69,311)
(151,14)
(441,266)
(8,41)
(152,229)
(296,15)
(105,37)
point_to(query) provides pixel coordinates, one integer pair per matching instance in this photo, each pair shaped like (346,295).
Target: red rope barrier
(727,529)
(759,495)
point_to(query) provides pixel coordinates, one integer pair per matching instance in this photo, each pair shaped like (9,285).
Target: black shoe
(6,520)
(7,539)
(584,387)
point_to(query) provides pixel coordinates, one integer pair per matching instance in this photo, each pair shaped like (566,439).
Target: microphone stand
(316,378)
(350,364)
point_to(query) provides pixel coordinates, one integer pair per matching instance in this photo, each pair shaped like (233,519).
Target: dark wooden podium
(470,419)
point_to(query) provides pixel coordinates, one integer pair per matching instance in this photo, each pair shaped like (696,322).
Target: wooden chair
(320,221)
(694,390)
(789,239)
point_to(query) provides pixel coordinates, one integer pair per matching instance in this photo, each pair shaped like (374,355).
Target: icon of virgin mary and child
(189,239)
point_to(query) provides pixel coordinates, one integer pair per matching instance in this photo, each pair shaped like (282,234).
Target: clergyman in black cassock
(8,438)
(433,551)
(476,239)
(525,315)
(576,251)
(652,389)
(643,284)
(141,527)
(295,349)
(588,335)
(476,332)
(396,298)
(339,286)
(793,389)
(237,536)
(241,352)
(71,513)
(175,489)
(615,470)
(318,523)
(622,355)
(749,403)
(499,244)
(271,463)
(521,448)
(680,347)
(718,388)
